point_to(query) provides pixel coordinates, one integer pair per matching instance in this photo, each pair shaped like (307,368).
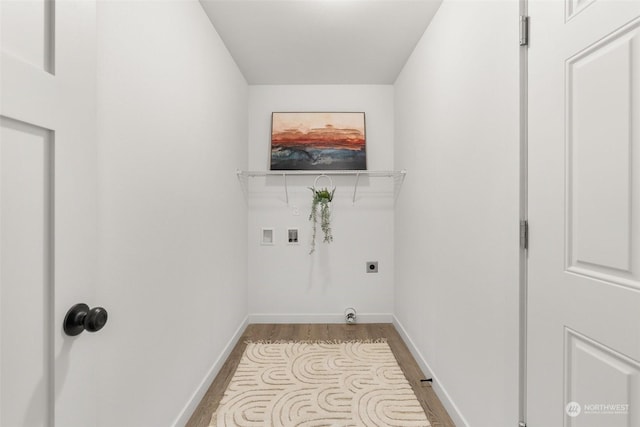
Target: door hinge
(524,234)
(524,30)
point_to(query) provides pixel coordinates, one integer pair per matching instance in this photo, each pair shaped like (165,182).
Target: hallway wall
(172,127)
(285,282)
(456,244)
(176,118)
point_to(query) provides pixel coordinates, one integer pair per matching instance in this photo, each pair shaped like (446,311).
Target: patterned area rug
(314,384)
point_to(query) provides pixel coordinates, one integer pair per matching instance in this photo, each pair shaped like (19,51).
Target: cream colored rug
(317,384)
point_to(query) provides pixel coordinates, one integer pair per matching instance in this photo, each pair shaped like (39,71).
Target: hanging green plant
(321,205)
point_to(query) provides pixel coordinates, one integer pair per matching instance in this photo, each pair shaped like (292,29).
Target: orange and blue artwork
(318,141)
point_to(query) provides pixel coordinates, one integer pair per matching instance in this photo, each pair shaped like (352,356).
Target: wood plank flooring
(425,394)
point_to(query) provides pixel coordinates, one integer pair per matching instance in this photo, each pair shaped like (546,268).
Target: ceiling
(320,41)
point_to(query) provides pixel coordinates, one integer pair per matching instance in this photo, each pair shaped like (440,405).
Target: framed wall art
(318,141)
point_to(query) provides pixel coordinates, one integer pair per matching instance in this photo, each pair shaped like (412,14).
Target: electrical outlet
(372,266)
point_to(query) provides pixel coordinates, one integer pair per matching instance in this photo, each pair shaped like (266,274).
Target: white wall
(456,248)
(172,109)
(285,282)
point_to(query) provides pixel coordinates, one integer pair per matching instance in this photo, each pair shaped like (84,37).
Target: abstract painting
(318,141)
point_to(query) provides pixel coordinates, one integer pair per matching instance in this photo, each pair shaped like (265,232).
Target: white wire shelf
(397,175)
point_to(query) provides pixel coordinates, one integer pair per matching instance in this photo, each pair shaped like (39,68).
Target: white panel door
(583,355)
(47,210)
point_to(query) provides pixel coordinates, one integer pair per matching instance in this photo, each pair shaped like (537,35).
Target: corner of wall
(199,393)
(438,387)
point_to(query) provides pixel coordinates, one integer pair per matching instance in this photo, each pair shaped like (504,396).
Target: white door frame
(522,363)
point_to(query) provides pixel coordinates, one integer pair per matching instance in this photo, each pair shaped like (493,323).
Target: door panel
(48,216)
(602,234)
(583,350)
(26,276)
(573,7)
(618,378)
(27,30)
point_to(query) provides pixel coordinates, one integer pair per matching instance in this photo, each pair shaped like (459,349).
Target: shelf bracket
(286,189)
(397,185)
(243,185)
(355,187)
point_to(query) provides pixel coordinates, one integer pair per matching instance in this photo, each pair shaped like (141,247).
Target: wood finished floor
(425,394)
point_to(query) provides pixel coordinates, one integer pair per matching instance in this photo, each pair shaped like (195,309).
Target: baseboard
(197,396)
(444,397)
(319,318)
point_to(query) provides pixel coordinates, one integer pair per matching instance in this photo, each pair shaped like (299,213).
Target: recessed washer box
(292,236)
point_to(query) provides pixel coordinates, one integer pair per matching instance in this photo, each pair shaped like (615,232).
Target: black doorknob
(80,317)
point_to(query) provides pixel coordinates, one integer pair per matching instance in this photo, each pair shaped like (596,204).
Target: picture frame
(318,141)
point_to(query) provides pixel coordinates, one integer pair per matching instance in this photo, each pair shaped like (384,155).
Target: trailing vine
(321,199)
